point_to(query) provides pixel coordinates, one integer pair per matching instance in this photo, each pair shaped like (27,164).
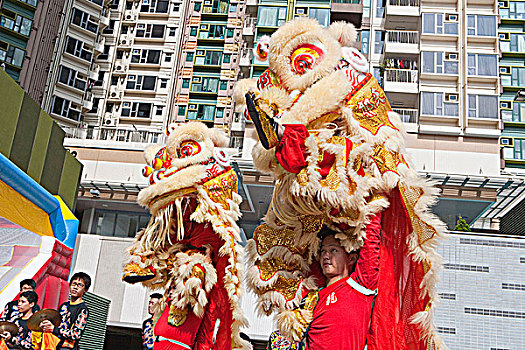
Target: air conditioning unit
(506,141)
(300,11)
(452,56)
(504,69)
(451,97)
(109,122)
(504,105)
(452,18)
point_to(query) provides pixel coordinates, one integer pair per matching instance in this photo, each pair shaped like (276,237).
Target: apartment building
(73,71)
(512,73)
(28,30)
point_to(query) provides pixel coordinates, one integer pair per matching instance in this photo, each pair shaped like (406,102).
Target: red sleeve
(218,308)
(291,150)
(367,267)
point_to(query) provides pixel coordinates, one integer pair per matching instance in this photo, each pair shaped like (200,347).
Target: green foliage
(462,225)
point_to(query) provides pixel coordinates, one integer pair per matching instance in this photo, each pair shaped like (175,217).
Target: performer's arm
(367,267)
(5,313)
(72,332)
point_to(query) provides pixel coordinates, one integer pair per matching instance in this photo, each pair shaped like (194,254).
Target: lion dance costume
(336,149)
(189,246)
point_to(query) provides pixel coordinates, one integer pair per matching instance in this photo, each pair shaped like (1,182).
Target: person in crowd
(74,314)
(148,338)
(11,308)
(23,339)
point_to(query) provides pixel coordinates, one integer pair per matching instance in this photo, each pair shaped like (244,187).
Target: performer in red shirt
(341,317)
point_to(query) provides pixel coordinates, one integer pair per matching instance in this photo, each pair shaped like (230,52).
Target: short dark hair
(325,232)
(155,296)
(31,296)
(28,282)
(82,276)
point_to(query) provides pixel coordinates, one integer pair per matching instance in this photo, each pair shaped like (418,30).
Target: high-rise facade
(512,73)
(482,292)
(73,71)
(28,31)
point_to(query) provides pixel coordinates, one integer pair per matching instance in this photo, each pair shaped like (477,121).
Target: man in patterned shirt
(11,308)
(22,340)
(148,339)
(74,314)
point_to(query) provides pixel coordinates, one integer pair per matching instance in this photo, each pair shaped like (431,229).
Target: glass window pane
(428,23)
(428,62)
(487,65)
(427,103)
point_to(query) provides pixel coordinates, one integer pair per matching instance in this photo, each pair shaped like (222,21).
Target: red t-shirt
(184,334)
(341,317)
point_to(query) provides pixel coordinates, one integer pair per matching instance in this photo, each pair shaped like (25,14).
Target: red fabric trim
(291,150)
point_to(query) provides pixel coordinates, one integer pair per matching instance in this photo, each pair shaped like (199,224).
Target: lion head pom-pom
(262,47)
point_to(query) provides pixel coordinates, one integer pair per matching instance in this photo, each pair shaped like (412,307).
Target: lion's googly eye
(305,57)
(188,148)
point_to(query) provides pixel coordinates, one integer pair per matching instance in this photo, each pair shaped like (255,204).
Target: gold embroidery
(269,267)
(177,317)
(302,177)
(287,287)
(311,223)
(411,196)
(385,160)
(370,107)
(267,237)
(311,300)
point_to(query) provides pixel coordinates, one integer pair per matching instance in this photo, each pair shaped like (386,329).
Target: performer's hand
(6,335)
(47,326)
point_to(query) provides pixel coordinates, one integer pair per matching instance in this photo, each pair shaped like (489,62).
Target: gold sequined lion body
(353,166)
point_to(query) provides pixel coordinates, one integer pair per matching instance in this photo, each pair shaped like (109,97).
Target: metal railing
(401,75)
(413,3)
(346,1)
(109,134)
(402,37)
(408,115)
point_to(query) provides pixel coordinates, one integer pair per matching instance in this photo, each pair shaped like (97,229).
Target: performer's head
(79,284)
(335,262)
(153,300)
(27,301)
(27,284)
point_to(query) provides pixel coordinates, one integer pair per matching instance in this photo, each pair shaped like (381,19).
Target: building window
(202,84)
(155,6)
(109,29)
(189,56)
(185,83)
(437,103)
(379,41)
(380,8)
(211,31)
(227,58)
(437,23)
(201,112)
(483,65)
(366,8)
(145,56)
(481,25)
(365,41)
(172,31)
(447,296)
(516,152)
(321,15)
(271,16)
(516,78)
(437,62)
(62,107)
(15,22)
(12,55)
(82,19)
(446,330)
(233,7)
(513,286)
(68,76)
(138,110)
(159,110)
(229,33)
(30,2)
(223,85)
(163,83)
(510,42)
(167,57)
(118,224)
(515,10)
(197,6)
(141,82)
(76,48)
(483,106)
(461,267)
(497,313)
(150,30)
(209,58)
(193,31)
(182,110)
(516,112)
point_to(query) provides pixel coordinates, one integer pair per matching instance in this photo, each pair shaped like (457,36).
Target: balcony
(249,26)
(402,42)
(112,134)
(93,72)
(104,18)
(402,13)
(407,115)
(99,45)
(246,58)
(347,10)
(401,80)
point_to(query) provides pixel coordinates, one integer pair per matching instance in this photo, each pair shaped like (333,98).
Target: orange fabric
(3,345)
(44,341)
